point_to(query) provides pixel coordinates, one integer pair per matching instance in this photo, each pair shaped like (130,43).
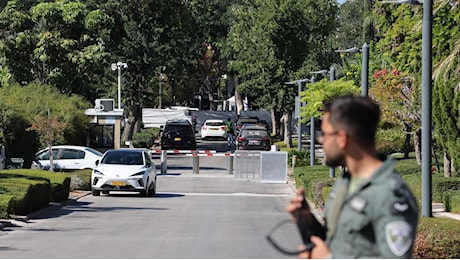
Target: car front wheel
(95,192)
(153,190)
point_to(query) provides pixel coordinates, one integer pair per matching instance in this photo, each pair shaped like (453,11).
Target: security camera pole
(118,66)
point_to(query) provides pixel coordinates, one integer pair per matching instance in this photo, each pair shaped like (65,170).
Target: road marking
(240,194)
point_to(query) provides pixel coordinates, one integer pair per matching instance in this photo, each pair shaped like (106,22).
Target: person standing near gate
(370,212)
(230,132)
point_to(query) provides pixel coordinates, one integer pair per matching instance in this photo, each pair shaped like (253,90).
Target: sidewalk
(439,212)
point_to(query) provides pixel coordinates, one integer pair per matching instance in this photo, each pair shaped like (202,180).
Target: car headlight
(138,173)
(96,172)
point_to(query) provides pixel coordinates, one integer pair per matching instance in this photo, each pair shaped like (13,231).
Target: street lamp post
(118,66)
(162,68)
(364,67)
(312,133)
(426,106)
(299,105)
(427,38)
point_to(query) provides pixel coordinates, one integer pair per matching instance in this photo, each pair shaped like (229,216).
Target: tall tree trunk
(133,124)
(447,165)
(209,87)
(408,129)
(288,129)
(282,129)
(275,123)
(417,146)
(238,100)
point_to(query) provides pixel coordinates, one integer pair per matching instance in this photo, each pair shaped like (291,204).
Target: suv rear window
(177,128)
(214,123)
(253,133)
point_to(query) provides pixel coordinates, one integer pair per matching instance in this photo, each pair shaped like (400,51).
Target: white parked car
(213,128)
(127,169)
(67,157)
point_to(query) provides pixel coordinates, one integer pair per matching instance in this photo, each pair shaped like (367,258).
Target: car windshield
(123,157)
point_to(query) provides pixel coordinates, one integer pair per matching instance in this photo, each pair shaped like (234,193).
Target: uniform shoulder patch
(398,236)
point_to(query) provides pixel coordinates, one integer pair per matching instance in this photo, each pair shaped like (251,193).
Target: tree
(212,19)
(49,128)
(146,35)
(49,41)
(396,95)
(19,106)
(322,91)
(400,28)
(276,41)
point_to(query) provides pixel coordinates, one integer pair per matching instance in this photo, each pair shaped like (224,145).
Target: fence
(269,167)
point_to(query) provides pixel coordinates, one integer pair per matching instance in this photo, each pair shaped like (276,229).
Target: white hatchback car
(127,169)
(67,157)
(213,128)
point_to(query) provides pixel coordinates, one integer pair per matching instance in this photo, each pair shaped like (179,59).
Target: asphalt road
(206,215)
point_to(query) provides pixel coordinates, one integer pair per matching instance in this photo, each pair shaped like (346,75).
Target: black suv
(178,134)
(253,138)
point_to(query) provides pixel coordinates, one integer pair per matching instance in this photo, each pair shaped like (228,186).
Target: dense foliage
(260,45)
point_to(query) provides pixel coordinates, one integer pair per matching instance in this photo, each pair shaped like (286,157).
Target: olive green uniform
(377,219)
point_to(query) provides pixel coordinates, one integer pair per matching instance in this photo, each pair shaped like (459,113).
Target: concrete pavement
(437,208)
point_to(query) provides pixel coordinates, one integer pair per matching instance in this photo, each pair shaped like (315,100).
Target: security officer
(371,212)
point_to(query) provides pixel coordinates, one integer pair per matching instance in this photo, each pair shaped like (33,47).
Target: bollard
(196,164)
(294,160)
(164,160)
(230,165)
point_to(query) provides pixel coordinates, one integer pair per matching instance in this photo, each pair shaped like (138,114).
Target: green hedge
(4,200)
(24,190)
(146,137)
(27,194)
(315,179)
(60,183)
(437,238)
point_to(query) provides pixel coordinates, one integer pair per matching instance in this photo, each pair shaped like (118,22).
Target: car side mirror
(97,162)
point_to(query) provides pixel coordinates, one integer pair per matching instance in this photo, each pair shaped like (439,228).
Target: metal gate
(247,164)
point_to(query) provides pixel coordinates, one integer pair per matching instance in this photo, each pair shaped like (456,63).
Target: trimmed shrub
(408,167)
(4,200)
(308,176)
(27,195)
(303,157)
(437,238)
(146,137)
(83,177)
(390,141)
(60,183)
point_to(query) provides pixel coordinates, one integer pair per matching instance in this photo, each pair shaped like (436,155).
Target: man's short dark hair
(357,115)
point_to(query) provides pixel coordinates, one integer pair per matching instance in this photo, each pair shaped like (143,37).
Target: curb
(73,196)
